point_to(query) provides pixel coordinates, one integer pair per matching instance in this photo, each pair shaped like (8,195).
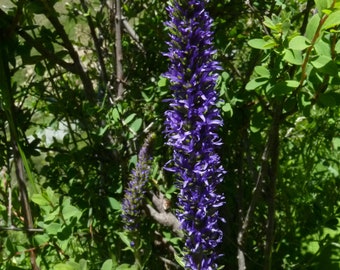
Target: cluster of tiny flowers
(191,130)
(136,189)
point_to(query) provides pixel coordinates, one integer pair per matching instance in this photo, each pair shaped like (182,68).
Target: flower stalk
(191,130)
(134,199)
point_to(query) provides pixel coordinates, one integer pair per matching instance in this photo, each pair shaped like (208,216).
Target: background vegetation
(81,88)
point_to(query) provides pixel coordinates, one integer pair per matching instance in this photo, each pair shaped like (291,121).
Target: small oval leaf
(299,43)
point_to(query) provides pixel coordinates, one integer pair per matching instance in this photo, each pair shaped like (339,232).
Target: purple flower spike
(191,130)
(136,189)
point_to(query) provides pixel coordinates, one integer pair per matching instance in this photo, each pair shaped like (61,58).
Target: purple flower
(136,189)
(191,129)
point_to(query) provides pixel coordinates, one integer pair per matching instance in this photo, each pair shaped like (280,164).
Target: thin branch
(272,175)
(16,229)
(18,154)
(309,50)
(271,144)
(103,72)
(119,49)
(80,70)
(170,263)
(162,215)
(132,33)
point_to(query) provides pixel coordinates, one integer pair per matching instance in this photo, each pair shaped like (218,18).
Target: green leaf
(332,20)
(283,88)
(53,228)
(292,83)
(337,47)
(336,143)
(51,196)
(70,211)
(52,215)
(261,44)
(329,99)
(146,97)
(115,205)
(255,83)
(102,130)
(323,4)
(326,65)
(312,26)
(269,23)
(227,108)
(179,260)
(322,48)
(64,266)
(40,200)
(41,239)
(107,265)
(162,82)
(136,125)
(125,239)
(293,57)
(129,118)
(39,69)
(115,114)
(257,43)
(299,43)
(83,264)
(262,71)
(65,234)
(321,61)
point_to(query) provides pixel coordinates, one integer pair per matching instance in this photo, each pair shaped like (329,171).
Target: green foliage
(69,141)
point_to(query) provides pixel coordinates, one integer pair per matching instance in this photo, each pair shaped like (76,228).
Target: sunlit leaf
(255,83)
(262,71)
(115,205)
(258,43)
(64,266)
(293,57)
(53,228)
(70,211)
(299,43)
(129,118)
(107,265)
(283,88)
(337,47)
(312,26)
(326,65)
(323,4)
(332,20)
(136,125)
(39,199)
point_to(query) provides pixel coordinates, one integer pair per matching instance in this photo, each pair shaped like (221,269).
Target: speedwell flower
(191,129)
(135,192)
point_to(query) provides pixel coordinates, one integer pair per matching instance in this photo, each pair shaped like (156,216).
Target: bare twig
(164,217)
(19,170)
(272,175)
(12,228)
(18,156)
(129,29)
(168,262)
(270,153)
(103,73)
(119,49)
